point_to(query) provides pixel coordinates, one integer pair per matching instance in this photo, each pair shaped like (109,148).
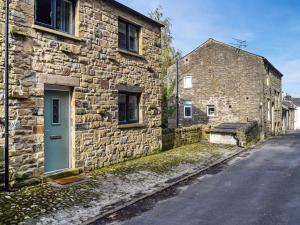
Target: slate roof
(134,12)
(296,101)
(288,104)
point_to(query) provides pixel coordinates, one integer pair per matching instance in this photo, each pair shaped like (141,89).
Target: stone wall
(93,66)
(173,138)
(232,80)
(249,134)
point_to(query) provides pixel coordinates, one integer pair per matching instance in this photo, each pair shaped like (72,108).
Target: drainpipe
(177,93)
(6,98)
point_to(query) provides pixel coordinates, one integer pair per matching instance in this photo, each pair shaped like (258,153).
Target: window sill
(132,125)
(55,32)
(123,51)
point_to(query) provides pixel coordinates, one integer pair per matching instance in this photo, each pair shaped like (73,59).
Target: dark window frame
(128,94)
(188,105)
(128,24)
(53,12)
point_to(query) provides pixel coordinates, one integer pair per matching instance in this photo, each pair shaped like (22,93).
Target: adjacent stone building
(296,102)
(288,113)
(219,83)
(85,88)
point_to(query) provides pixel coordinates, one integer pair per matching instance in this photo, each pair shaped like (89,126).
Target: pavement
(107,189)
(258,188)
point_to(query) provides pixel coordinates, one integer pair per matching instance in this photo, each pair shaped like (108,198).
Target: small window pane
(133,38)
(64,16)
(43,11)
(55,111)
(132,108)
(188,109)
(122,108)
(188,82)
(122,35)
(211,110)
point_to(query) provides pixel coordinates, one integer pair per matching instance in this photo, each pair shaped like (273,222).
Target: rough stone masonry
(239,85)
(90,63)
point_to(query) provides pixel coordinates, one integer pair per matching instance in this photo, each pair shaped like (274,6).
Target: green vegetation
(164,162)
(169,55)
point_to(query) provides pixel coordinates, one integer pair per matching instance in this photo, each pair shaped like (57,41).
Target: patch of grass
(163,162)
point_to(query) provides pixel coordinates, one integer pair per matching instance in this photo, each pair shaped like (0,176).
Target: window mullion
(127,36)
(127,108)
(53,13)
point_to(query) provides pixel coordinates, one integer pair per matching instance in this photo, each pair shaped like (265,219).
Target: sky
(270,27)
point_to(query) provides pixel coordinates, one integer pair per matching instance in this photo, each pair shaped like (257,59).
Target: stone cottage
(288,113)
(84,85)
(219,83)
(296,102)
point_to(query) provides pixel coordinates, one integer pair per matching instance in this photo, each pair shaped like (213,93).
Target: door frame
(49,87)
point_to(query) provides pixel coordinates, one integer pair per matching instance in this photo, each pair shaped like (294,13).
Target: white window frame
(268,81)
(207,110)
(188,104)
(187,85)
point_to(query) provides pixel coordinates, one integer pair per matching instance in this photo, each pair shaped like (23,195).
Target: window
(188,110)
(128,108)
(56,14)
(128,36)
(211,110)
(55,111)
(268,81)
(269,110)
(187,82)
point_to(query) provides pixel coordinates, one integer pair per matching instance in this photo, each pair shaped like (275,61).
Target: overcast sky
(271,28)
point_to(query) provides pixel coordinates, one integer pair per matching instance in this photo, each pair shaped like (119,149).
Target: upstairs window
(269,111)
(268,81)
(128,108)
(211,110)
(56,14)
(188,110)
(128,36)
(187,82)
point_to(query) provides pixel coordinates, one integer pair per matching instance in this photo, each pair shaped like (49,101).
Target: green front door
(57,122)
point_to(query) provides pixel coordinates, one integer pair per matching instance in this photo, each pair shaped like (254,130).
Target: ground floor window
(128,108)
(188,110)
(211,110)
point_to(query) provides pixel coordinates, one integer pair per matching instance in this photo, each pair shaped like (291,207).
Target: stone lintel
(128,88)
(59,80)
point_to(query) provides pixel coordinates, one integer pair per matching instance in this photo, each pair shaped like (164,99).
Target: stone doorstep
(63,174)
(68,180)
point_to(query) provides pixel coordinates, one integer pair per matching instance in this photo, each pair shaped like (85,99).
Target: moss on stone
(164,162)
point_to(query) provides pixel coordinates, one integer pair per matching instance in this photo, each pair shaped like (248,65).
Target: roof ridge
(233,47)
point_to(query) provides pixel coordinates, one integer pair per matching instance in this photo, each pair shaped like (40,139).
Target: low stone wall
(249,134)
(173,138)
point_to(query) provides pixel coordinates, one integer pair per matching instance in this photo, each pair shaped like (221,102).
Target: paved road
(260,189)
